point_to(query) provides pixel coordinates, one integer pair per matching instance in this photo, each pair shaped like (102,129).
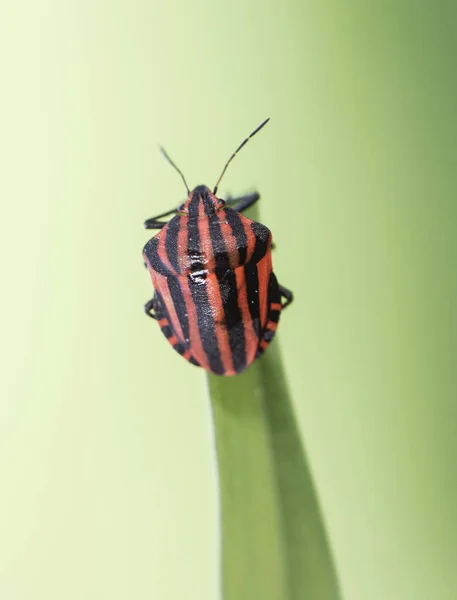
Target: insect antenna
(236,152)
(162,149)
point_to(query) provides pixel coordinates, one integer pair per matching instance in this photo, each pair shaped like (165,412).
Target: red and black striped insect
(216,297)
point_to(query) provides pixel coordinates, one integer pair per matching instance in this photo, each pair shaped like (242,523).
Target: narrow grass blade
(274,545)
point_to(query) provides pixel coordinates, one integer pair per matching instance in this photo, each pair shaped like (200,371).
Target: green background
(106,452)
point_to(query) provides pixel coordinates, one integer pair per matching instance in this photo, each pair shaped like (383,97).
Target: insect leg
(155,223)
(244,202)
(149,308)
(287,294)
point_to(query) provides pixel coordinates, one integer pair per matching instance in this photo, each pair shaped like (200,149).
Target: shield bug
(216,297)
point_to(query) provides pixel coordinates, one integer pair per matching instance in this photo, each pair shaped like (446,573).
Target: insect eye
(221,203)
(180,210)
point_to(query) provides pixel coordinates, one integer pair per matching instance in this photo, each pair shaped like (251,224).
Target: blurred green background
(106,458)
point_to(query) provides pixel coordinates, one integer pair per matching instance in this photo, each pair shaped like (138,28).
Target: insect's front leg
(243,202)
(155,223)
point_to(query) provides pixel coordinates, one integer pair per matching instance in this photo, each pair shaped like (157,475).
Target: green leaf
(274,545)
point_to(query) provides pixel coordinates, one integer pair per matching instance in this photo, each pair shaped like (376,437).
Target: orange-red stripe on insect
(183,257)
(249,236)
(263,273)
(206,246)
(230,240)
(160,283)
(161,250)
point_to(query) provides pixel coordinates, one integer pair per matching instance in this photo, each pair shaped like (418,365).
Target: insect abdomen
(213,287)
